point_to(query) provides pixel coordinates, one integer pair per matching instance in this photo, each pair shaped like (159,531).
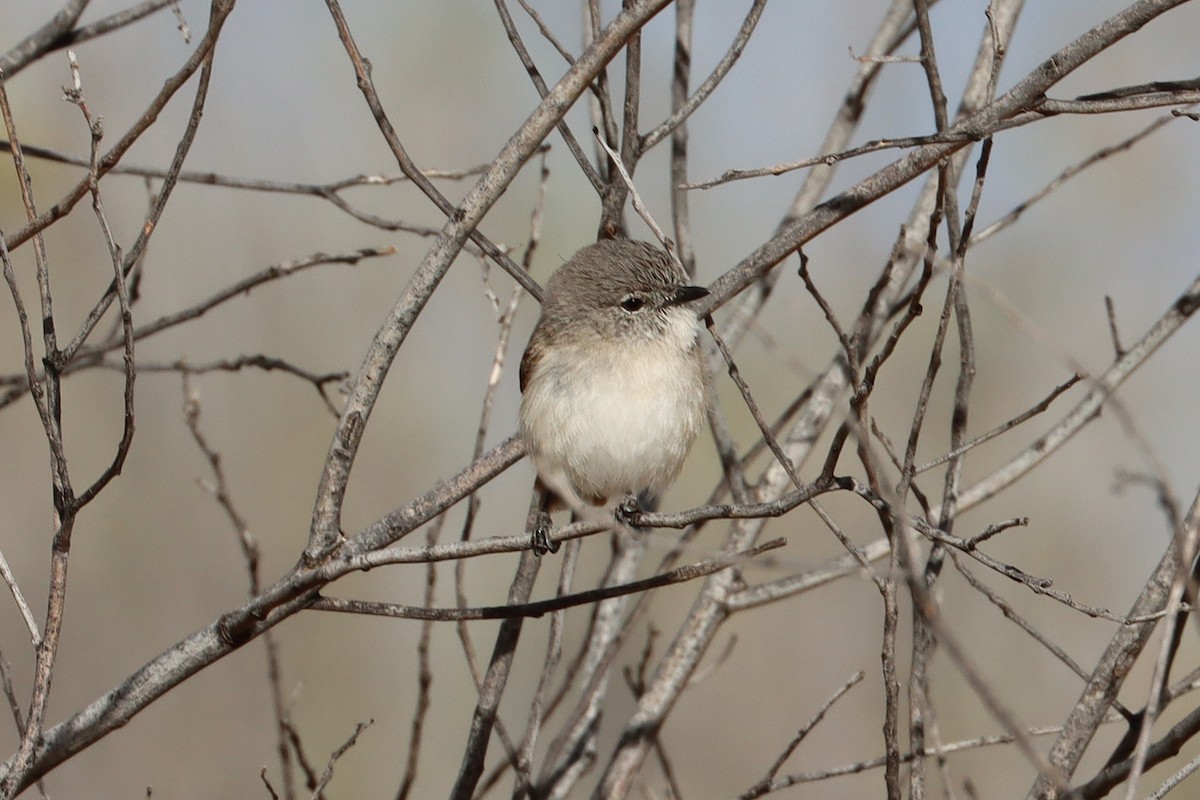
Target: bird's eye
(633,304)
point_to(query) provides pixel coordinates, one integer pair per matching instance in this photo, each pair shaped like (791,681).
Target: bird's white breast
(617,418)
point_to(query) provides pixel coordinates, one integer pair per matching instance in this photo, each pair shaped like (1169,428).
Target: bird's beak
(686,294)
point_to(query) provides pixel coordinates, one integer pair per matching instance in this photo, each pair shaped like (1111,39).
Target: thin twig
(87,356)
(542,607)
(1047,108)
(320,381)
(219,489)
(514,37)
(638,205)
(327,773)
(1111,311)
(876,763)
(1039,408)
(764,785)
(129,371)
(10,581)
(680,215)
(1067,174)
(681,111)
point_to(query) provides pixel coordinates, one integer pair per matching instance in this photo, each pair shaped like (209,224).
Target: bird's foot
(628,510)
(542,543)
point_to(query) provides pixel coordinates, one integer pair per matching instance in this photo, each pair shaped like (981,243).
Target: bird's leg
(556,492)
(541,543)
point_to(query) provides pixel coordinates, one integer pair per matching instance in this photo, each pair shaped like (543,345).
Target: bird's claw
(542,543)
(628,510)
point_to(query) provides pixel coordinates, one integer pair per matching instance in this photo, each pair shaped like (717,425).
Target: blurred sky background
(155,559)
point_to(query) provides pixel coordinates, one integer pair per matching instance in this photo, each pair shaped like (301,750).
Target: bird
(612,380)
